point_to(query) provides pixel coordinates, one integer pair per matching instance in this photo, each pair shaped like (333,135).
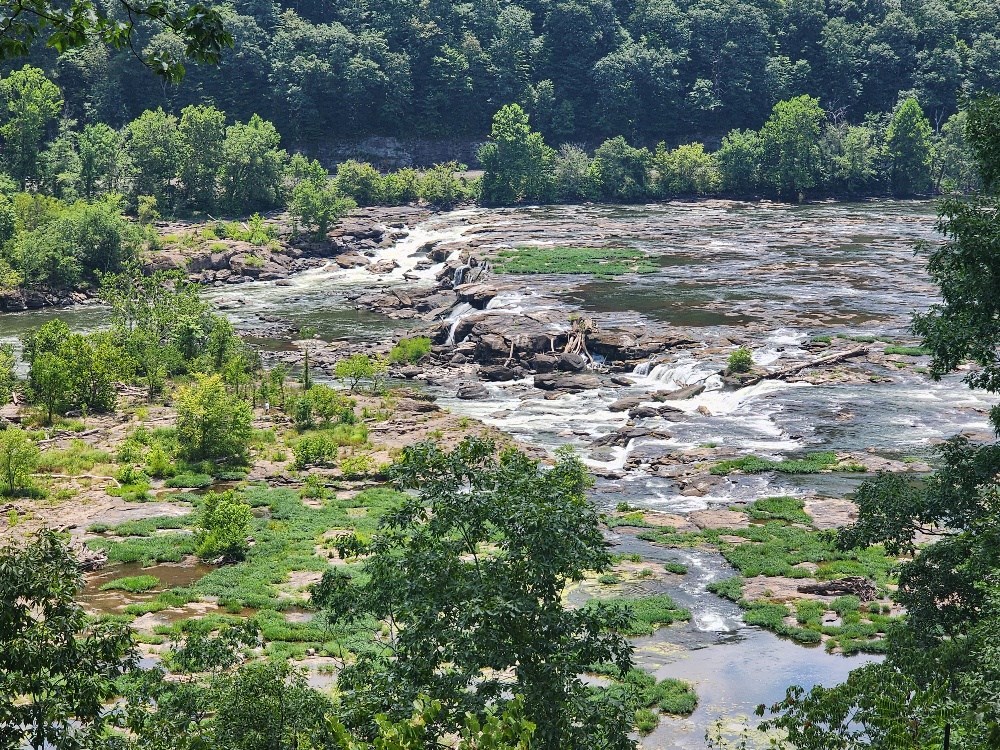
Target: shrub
(779,508)
(645,720)
(188,480)
(676,697)
(18,459)
(740,360)
(132,584)
(728,588)
(357,465)
(224,527)
(410,350)
(211,424)
(672,566)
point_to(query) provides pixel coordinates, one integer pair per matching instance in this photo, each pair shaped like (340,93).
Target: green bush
(224,527)
(728,588)
(672,566)
(676,697)
(740,360)
(132,584)
(647,613)
(189,481)
(410,350)
(357,465)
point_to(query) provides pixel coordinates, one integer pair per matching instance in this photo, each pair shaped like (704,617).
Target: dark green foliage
(675,567)
(189,481)
(224,527)
(517,163)
(57,672)
(728,588)
(484,537)
(602,261)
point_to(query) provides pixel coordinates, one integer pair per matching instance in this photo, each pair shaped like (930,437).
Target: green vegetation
(190,481)
(645,614)
(223,528)
(741,360)
(678,568)
(211,423)
(779,509)
(132,584)
(410,350)
(608,261)
(18,459)
(359,368)
(811,464)
(908,351)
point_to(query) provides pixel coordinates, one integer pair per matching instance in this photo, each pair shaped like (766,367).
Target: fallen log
(829,359)
(857,586)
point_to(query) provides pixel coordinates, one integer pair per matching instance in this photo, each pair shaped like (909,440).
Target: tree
(57,672)
(316,200)
(517,165)
(468,572)
(154,148)
(201,132)
(619,172)
(224,527)
(100,168)
(211,424)
(30,104)
(18,458)
(50,377)
(360,367)
(739,159)
(8,373)
(252,166)
(908,146)
(198,27)
(790,146)
(685,170)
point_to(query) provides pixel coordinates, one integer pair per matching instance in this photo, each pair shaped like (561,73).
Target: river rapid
(769,276)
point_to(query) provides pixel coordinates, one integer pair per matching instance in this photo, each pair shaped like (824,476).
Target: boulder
(387,265)
(624,404)
(497,372)
(571,362)
(566,382)
(642,412)
(477,295)
(473,392)
(681,394)
(350,260)
(543,363)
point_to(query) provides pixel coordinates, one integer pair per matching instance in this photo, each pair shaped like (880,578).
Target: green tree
(360,367)
(50,377)
(469,573)
(619,172)
(252,166)
(100,147)
(739,159)
(211,424)
(154,148)
(790,147)
(8,373)
(224,527)
(18,459)
(359,181)
(685,170)
(201,132)
(517,165)
(317,203)
(57,672)
(908,147)
(31,103)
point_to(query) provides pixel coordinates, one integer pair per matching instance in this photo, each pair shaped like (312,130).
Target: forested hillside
(584,70)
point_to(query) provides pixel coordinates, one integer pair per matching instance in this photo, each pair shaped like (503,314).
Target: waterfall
(459,277)
(455,316)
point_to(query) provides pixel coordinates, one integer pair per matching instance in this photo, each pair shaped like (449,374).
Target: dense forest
(584,70)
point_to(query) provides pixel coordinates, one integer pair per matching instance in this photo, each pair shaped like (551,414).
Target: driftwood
(577,340)
(829,359)
(853,585)
(89,560)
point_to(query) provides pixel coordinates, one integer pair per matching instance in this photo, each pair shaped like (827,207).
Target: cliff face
(393,153)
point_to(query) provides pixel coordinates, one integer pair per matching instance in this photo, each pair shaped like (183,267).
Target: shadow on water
(170,575)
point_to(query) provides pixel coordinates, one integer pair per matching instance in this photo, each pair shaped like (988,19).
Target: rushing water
(770,275)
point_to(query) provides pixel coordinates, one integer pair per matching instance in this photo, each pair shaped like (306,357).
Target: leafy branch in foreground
(199,27)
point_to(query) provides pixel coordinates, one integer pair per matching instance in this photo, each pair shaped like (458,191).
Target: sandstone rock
(543,363)
(719,519)
(350,260)
(387,265)
(410,371)
(477,295)
(642,412)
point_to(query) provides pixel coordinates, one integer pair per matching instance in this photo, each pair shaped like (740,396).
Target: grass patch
(779,508)
(147,550)
(76,458)
(144,526)
(647,613)
(672,566)
(907,351)
(639,691)
(812,463)
(132,584)
(603,261)
(728,588)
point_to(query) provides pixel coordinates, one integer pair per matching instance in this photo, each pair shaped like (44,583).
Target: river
(772,276)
